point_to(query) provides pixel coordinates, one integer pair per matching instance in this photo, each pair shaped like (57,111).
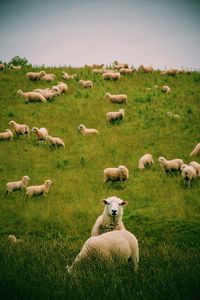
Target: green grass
(161,212)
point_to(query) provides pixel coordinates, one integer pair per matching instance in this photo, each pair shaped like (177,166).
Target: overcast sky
(161,33)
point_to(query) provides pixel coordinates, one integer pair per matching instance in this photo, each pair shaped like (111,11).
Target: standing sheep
(111,75)
(111,219)
(19,129)
(147,69)
(17,185)
(125,65)
(196,166)
(86,83)
(38,189)
(188,173)
(32,96)
(55,141)
(196,150)
(115,115)
(35,75)
(66,76)
(118,245)
(7,135)
(170,165)
(87,131)
(120,98)
(166,89)
(41,133)
(126,71)
(120,173)
(145,161)
(12,239)
(48,77)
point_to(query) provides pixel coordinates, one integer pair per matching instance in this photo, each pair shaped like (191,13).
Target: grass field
(162,213)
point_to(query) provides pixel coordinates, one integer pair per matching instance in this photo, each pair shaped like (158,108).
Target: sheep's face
(48,182)
(183,167)
(114,206)
(26,178)
(12,238)
(161,160)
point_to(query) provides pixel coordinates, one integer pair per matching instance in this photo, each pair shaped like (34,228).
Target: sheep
(41,133)
(115,115)
(2,67)
(188,173)
(120,98)
(171,72)
(85,83)
(19,128)
(145,161)
(7,135)
(47,93)
(35,75)
(196,150)
(127,71)
(111,219)
(15,67)
(87,131)
(97,71)
(171,115)
(12,239)
(17,185)
(166,89)
(170,165)
(32,96)
(66,76)
(120,173)
(118,245)
(118,67)
(48,77)
(38,189)
(147,69)
(60,88)
(55,141)
(125,65)
(111,75)
(196,166)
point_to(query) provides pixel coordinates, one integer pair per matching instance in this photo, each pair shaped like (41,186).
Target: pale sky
(161,33)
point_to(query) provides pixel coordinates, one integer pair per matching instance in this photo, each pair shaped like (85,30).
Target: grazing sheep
(125,71)
(111,75)
(47,93)
(35,75)
(12,239)
(86,83)
(66,76)
(55,141)
(120,173)
(171,72)
(120,98)
(19,128)
(48,77)
(125,65)
(2,67)
(170,165)
(111,219)
(118,67)
(196,166)
(145,161)
(41,133)
(188,173)
(97,71)
(196,150)
(17,185)
(166,89)
(115,115)
(12,67)
(147,69)
(87,131)
(7,135)
(32,96)
(38,189)
(62,87)
(118,245)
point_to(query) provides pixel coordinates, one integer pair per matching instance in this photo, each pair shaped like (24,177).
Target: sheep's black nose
(114,212)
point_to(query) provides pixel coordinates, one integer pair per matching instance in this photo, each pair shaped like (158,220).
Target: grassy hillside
(161,212)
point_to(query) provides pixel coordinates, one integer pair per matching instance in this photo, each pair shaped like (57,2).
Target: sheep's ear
(124,203)
(104,201)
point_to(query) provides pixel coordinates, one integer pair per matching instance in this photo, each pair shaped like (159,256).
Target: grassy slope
(160,210)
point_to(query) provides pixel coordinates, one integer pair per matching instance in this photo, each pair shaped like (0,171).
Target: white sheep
(120,173)
(118,245)
(145,161)
(7,135)
(32,96)
(97,71)
(66,76)
(111,75)
(111,219)
(119,67)
(12,239)
(87,131)
(166,89)
(19,128)
(147,69)
(126,71)
(125,65)
(41,133)
(120,98)
(188,173)
(86,83)
(55,141)
(17,185)
(196,150)
(115,115)
(48,94)
(48,77)
(196,166)
(38,189)
(171,72)
(173,116)
(170,165)
(35,75)
(15,67)
(60,88)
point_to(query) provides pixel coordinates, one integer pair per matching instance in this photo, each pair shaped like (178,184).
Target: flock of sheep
(109,237)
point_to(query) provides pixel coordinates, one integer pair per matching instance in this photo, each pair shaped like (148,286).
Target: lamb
(111,75)
(188,173)
(111,219)
(120,98)
(118,245)
(170,165)
(7,135)
(87,131)
(48,77)
(166,89)
(120,173)
(196,166)
(115,115)
(19,128)
(35,75)
(196,150)
(15,67)
(41,133)
(38,189)
(17,185)
(62,87)
(47,93)
(145,161)
(147,69)
(66,76)
(55,141)
(32,96)
(86,83)
(125,65)
(127,71)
